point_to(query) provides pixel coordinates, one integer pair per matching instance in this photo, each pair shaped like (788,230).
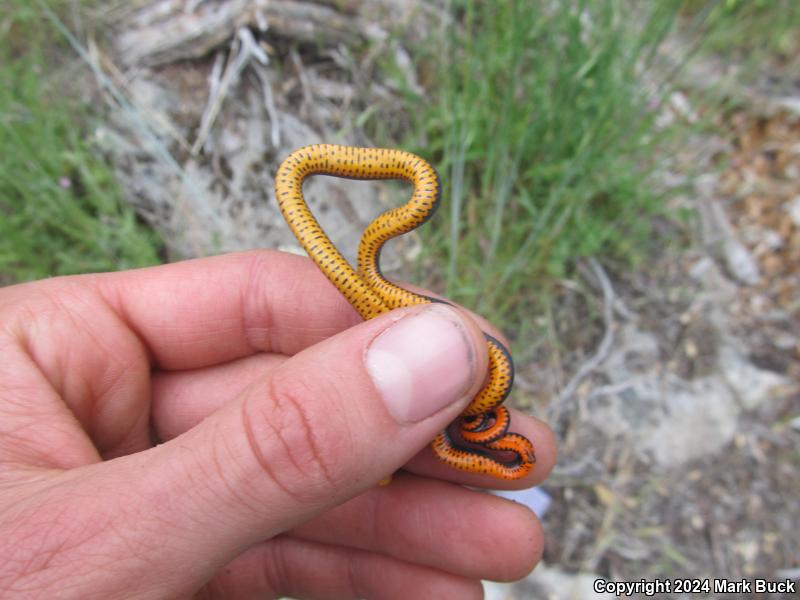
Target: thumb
(329,423)
(336,418)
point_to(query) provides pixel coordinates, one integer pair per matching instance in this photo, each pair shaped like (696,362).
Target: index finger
(210,311)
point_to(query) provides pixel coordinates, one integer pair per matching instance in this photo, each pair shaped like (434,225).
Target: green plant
(752,30)
(61,211)
(541,125)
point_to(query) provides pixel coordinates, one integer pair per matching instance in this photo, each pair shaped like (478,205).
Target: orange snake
(483,426)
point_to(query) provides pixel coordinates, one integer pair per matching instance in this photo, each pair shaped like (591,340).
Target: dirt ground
(733,511)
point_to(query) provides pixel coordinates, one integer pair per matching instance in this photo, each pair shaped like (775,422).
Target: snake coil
(482,428)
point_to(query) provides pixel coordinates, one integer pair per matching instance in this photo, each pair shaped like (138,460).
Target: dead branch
(245,49)
(165,31)
(608,337)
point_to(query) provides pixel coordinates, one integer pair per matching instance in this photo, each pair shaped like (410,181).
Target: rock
(706,271)
(701,268)
(719,236)
(739,262)
(751,385)
(793,208)
(669,420)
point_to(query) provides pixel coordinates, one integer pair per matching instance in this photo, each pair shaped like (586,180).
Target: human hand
(278,411)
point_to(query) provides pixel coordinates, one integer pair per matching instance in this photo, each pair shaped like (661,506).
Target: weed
(61,211)
(543,133)
(753,31)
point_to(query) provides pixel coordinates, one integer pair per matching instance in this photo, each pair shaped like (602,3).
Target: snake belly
(478,441)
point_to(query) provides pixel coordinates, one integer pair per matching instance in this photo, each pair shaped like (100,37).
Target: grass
(61,211)
(534,113)
(754,31)
(543,134)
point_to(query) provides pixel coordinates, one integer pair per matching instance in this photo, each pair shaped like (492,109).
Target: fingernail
(422,363)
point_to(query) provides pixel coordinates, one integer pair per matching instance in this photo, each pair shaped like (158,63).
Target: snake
(479,440)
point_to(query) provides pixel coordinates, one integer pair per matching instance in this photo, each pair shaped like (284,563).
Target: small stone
(793,208)
(740,263)
(772,264)
(771,239)
(701,268)
(752,385)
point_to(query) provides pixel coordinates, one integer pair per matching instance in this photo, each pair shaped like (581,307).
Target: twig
(302,76)
(608,337)
(159,32)
(611,388)
(623,312)
(245,48)
(576,472)
(269,104)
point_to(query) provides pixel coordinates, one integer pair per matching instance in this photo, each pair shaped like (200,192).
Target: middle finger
(438,525)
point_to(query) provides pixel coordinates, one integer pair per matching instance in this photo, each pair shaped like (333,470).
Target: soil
(732,513)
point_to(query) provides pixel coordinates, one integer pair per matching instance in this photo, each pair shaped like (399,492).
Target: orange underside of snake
(479,440)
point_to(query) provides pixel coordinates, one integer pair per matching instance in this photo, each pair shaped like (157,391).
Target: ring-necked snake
(481,431)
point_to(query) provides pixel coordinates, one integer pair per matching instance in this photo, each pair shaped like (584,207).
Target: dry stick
(622,310)
(567,395)
(245,49)
(302,76)
(269,104)
(585,470)
(160,32)
(608,337)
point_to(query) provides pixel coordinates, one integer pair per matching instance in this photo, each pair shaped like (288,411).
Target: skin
(206,429)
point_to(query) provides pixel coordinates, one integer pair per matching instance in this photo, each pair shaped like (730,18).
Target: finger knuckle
(286,440)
